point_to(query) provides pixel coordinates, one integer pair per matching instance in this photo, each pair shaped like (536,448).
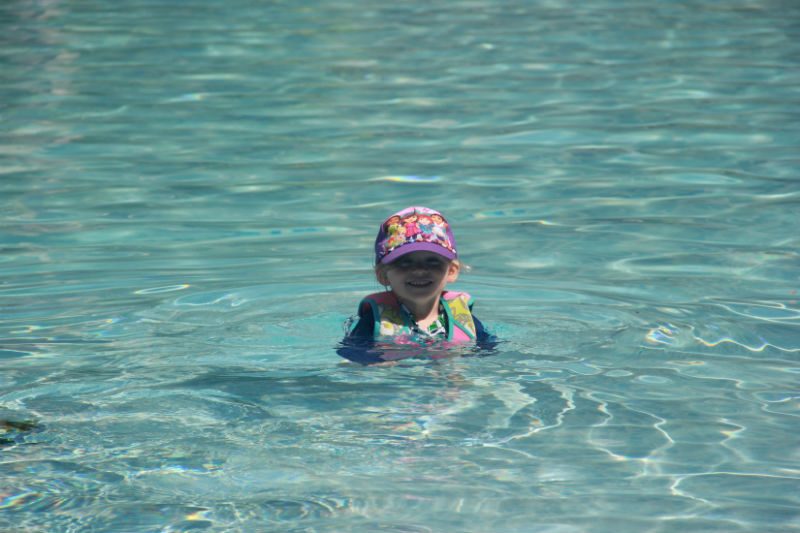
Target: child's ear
(452,271)
(380,275)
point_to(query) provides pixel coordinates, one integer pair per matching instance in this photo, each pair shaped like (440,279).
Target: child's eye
(427,265)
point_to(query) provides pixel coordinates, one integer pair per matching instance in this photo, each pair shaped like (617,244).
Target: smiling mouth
(418,284)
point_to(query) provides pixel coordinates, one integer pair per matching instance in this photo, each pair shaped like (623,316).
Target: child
(415,259)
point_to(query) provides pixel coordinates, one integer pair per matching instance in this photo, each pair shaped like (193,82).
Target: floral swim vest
(393,321)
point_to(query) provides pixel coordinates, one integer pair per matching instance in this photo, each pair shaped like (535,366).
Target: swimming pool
(190,192)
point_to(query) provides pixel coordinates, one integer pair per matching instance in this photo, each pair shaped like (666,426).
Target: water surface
(190,193)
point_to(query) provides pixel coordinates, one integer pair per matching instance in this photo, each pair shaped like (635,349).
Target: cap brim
(417,247)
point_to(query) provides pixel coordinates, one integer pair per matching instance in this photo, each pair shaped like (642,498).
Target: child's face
(419,276)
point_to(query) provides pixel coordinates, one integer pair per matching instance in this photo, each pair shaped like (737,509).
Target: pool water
(190,191)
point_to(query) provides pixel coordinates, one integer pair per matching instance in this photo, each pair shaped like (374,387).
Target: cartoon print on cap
(412,227)
(439,227)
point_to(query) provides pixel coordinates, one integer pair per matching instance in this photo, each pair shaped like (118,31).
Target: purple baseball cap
(414,229)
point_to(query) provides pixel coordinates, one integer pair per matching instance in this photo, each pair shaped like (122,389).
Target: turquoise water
(190,191)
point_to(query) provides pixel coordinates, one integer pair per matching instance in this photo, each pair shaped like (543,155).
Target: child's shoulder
(380,298)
